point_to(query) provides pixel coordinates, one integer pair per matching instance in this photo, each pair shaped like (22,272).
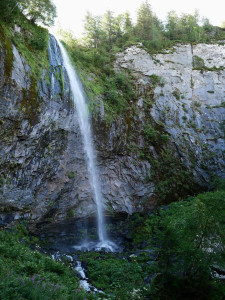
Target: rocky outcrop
(188,100)
(43,175)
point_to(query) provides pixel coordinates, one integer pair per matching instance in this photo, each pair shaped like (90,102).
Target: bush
(39,41)
(190,238)
(117,277)
(27,274)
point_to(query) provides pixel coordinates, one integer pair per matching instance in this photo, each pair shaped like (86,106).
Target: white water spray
(79,99)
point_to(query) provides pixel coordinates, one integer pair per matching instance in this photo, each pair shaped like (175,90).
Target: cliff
(168,145)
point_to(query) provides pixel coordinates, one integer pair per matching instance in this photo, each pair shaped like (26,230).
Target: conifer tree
(93,34)
(145,21)
(108,25)
(127,27)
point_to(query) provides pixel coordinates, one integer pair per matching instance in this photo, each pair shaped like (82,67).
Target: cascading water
(79,99)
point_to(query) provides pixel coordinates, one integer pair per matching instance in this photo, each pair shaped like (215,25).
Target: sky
(71,13)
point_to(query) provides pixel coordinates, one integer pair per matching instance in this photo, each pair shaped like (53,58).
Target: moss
(198,62)
(30,104)
(70,214)
(71,175)
(7,48)
(62,80)
(168,172)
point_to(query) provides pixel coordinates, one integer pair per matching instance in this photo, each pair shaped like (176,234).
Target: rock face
(43,175)
(189,99)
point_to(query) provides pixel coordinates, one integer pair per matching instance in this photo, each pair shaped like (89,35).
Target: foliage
(139,228)
(176,94)
(118,277)
(8,9)
(148,28)
(93,34)
(38,11)
(28,274)
(190,239)
(43,11)
(31,41)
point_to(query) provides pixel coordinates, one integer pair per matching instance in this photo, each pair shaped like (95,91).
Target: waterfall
(81,108)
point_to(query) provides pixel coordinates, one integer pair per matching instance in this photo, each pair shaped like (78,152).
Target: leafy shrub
(118,277)
(28,274)
(176,94)
(39,41)
(150,133)
(190,238)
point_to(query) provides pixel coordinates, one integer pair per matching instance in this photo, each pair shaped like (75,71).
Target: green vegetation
(28,274)
(182,244)
(118,277)
(176,94)
(190,240)
(30,40)
(18,26)
(198,62)
(71,175)
(37,11)
(168,174)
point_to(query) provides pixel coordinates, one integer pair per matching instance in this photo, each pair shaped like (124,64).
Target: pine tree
(127,27)
(108,25)
(93,33)
(172,25)
(145,22)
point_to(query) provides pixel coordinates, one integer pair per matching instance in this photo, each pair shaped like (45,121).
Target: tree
(108,25)
(8,9)
(127,27)
(172,25)
(144,26)
(190,237)
(93,34)
(38,11)
(189,26)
